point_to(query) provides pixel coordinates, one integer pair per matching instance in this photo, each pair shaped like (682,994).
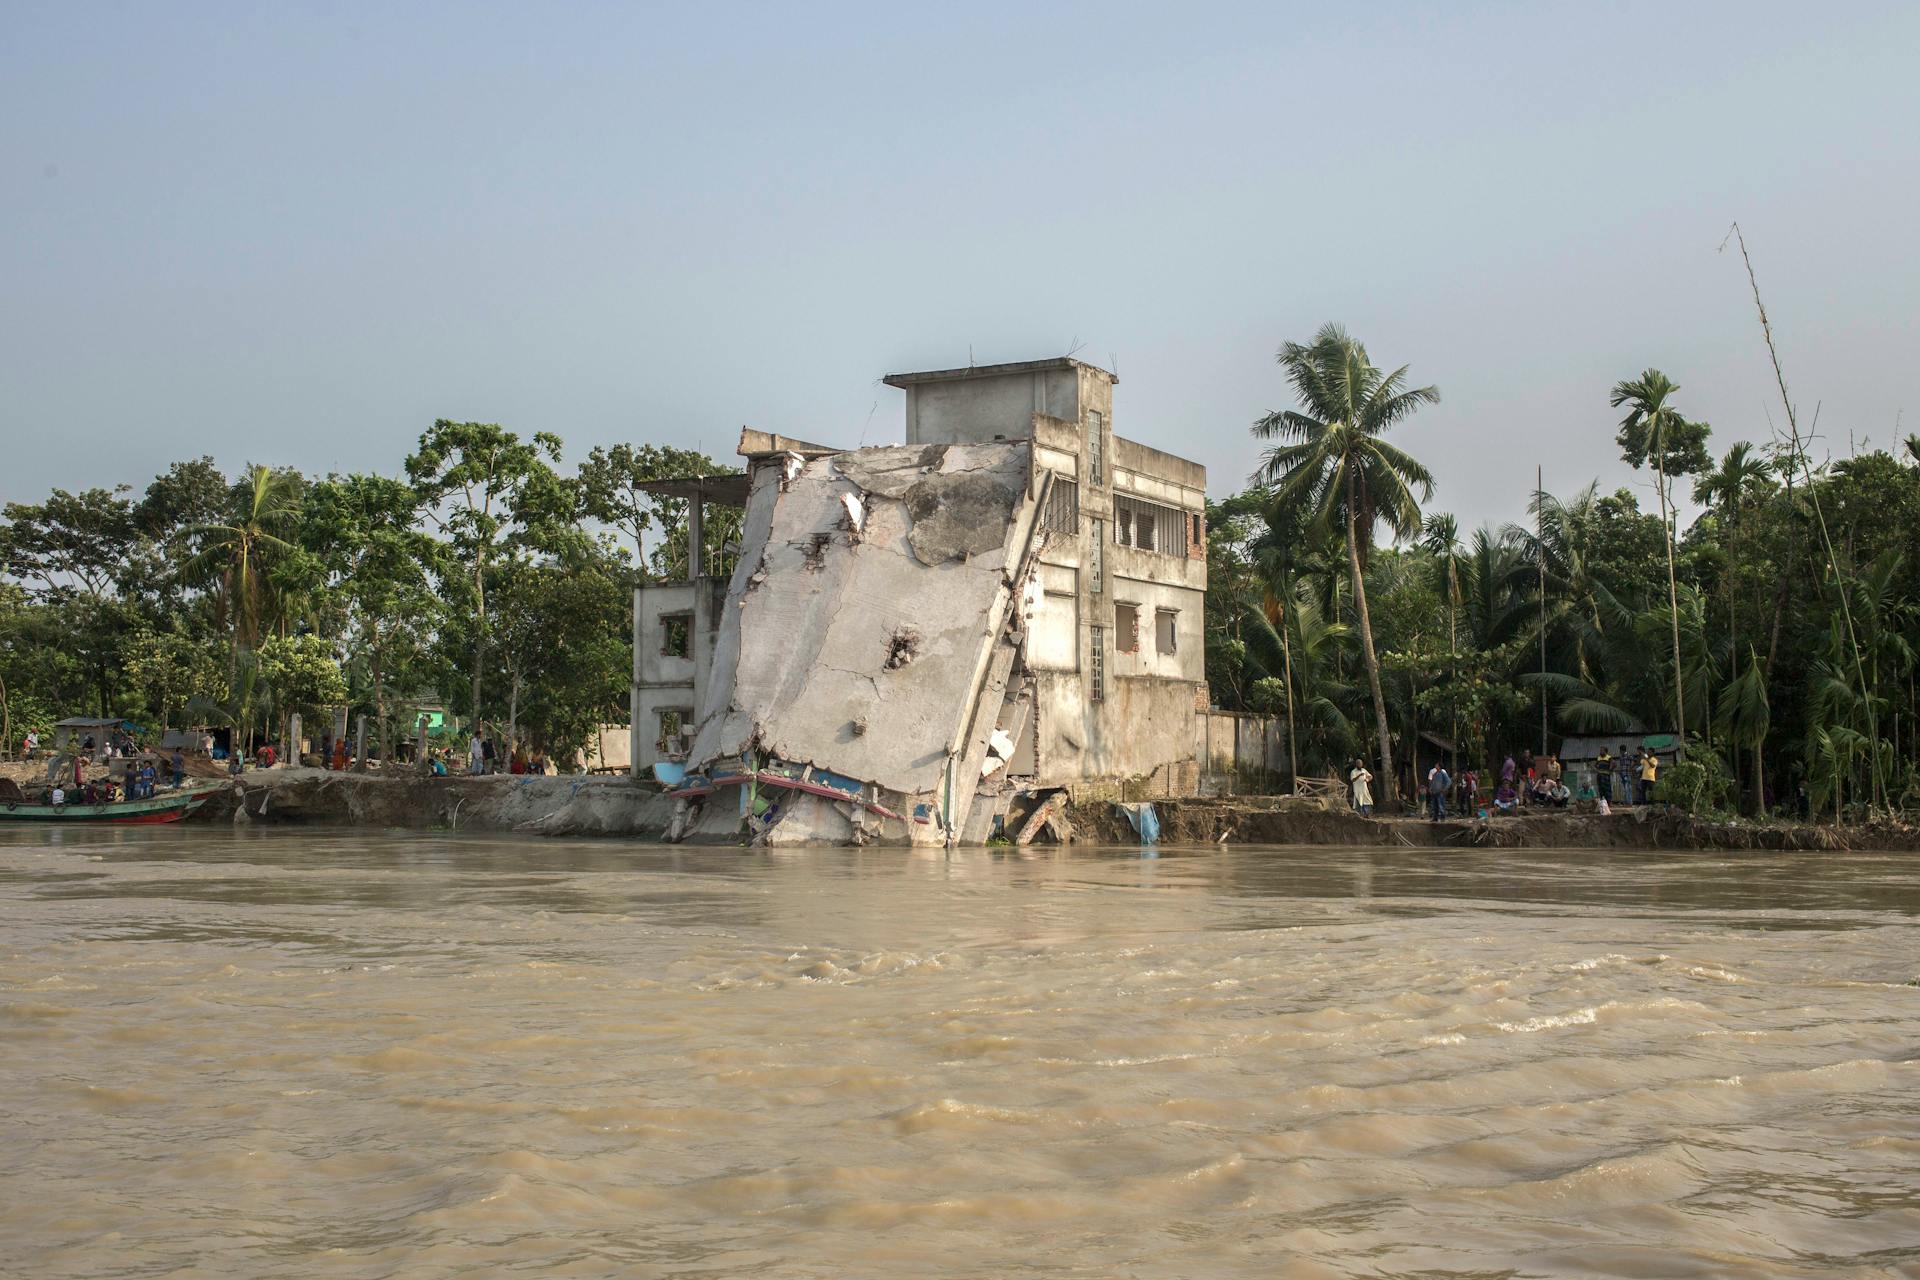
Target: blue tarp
(1144,821)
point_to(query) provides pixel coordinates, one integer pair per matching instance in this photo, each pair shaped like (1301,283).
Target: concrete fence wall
(1239,752)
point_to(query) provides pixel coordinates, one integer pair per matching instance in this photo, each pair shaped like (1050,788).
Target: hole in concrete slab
(815,552)
(903,646)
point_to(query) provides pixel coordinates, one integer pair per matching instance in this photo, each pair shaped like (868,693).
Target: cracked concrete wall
(802,663)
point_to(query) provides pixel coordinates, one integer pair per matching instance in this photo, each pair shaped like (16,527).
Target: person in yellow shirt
(1649,774)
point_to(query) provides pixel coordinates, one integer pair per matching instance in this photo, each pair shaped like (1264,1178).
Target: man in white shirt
(476,755)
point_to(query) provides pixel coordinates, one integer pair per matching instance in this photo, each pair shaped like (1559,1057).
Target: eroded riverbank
(615,806)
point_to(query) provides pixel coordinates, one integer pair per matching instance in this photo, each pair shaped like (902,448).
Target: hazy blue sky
(297,233)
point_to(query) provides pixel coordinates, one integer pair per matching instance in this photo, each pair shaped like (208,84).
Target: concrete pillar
(695,531)
(420,745)
(293,743)
(633,702)
(339,723)
(360,743)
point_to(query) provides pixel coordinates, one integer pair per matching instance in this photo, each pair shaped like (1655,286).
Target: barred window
(1096,445)
(1097,670)
(1097,561)
(1148,526)
(1063,507)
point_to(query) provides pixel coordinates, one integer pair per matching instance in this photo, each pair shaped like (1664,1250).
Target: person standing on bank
(1438,781)
(1361,779)
(1603,775)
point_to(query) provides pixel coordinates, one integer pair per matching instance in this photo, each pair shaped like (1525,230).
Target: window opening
(1148,526)
(676,635)
(676,731)
(1163,629)
(1126,628)
(1063,507)
(1098,559)
(1097,670)
(1096,445)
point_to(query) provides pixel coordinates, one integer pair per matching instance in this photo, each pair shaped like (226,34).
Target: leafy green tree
(564,646)
(71,541)
(172,670)
(1334,464)
(472,479)
(610,490)
(303,673)
(235,553)
(363,532)
(1653,431)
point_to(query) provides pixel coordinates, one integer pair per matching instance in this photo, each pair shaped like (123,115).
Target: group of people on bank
(68,783)
(1524,782)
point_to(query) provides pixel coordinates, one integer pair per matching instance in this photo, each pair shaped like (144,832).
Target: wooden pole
(1540,547)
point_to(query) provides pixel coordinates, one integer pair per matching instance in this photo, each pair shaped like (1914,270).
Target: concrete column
(695,513)
(339,723)
(360,743)
(293,744)
(633,702)
(420,745)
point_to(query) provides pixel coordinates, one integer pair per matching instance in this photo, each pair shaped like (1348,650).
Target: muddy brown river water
(341,1054)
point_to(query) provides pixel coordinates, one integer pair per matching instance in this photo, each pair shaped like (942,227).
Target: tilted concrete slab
(861,650)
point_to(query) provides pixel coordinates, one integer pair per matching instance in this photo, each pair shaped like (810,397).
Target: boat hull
(126,813)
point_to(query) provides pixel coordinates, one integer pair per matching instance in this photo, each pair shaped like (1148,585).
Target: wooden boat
(170,807)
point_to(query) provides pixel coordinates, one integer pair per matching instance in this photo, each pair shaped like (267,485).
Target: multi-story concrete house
(920,639)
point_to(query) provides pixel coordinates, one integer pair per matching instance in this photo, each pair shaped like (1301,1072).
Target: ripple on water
(336,1055)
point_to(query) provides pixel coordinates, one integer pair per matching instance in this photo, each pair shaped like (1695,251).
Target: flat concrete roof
(992,371)
(729,489)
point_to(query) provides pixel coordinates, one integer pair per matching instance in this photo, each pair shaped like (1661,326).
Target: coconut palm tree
(1333,463)
(1745,718)
(1653,430)
(234,554)
(1441,538)
(1310,645)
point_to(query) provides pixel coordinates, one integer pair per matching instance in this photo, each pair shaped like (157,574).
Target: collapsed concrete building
(922,643)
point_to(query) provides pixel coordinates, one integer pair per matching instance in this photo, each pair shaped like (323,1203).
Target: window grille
(1097,561)
(1148,526)
(1063,507)
(1097,669)
(1096,445)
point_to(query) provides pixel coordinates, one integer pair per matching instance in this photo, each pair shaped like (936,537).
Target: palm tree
(1442,541)
(233,553)
(1742,474)
(1334,464)
(1654,429)
(1744,717)
(1314,654)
